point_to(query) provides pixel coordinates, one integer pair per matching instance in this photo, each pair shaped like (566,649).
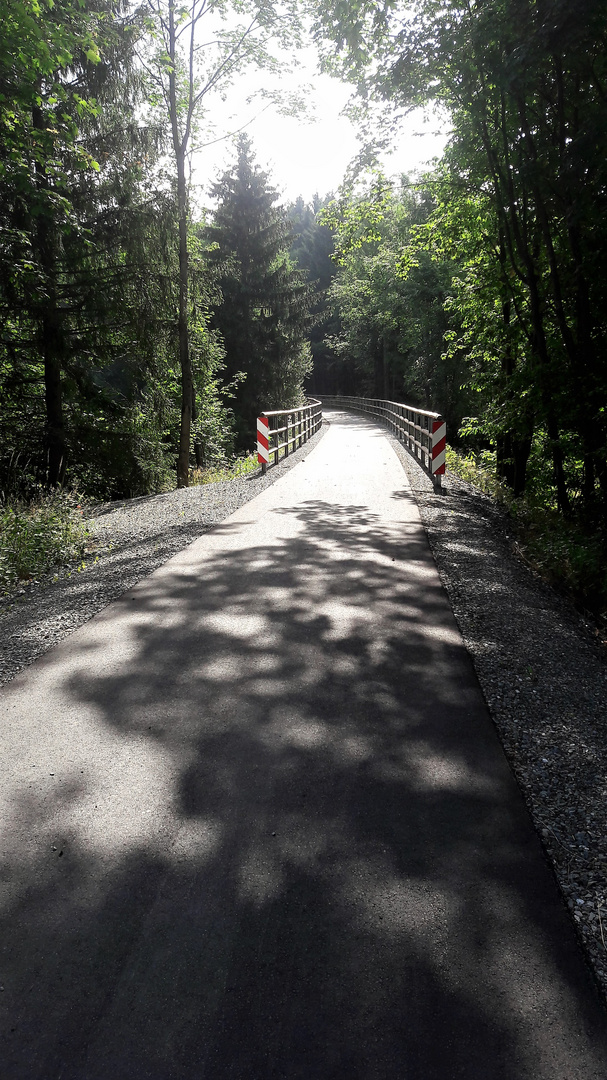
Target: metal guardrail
(300,425)
(422,433)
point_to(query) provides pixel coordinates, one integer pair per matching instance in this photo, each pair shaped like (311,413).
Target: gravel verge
(543,673)
(129,540)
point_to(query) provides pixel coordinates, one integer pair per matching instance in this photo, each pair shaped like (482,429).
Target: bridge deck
(257,823)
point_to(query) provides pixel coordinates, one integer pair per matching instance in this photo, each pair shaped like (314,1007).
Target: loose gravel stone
(543,672)
(128,540)
(541,668)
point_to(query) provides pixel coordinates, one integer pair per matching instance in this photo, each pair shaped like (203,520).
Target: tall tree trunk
(512,456)
(187,387)
(518,242)
(180,143)
(52,348)
(51,336)
(512,449)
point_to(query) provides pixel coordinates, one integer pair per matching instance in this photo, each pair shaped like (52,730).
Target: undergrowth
(242,466)
(568,554)
(35,536)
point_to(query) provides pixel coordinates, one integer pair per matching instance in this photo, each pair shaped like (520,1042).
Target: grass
(233,470)
(50,531)
(36,536)
(478,469)
(568,554)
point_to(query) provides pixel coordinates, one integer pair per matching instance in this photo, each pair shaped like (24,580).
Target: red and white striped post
(263,442)
(439,444)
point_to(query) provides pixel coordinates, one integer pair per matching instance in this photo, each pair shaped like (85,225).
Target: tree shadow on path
(344,884)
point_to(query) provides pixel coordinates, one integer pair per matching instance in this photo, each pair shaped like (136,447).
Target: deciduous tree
(197,49)
(523,81)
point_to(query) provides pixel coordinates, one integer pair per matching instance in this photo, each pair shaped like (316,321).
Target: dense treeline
(113,363)
(485,296)
(138,341)
(390,297)
(519,215)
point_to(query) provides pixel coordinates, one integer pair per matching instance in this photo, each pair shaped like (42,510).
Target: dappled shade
(285,842)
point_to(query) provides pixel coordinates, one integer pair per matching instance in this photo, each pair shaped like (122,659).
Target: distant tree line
(139,340)
(508,253)
(120,366)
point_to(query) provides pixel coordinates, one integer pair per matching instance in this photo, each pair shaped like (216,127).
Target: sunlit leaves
(524,83)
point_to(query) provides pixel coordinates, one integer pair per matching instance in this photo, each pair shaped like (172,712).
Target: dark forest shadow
(346,886)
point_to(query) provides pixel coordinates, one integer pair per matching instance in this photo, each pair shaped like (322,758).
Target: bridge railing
(286,429)
(422,433)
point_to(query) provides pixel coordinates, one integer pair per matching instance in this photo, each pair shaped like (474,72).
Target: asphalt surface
(256,821)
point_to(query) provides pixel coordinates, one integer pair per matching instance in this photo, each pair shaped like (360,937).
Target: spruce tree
(264,313)
(70,174)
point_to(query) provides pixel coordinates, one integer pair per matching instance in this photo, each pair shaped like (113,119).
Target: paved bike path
(256,822)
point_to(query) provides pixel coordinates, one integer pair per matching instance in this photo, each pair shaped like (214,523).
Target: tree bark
(511,461)
(187,388)
(180,148)
(51,336)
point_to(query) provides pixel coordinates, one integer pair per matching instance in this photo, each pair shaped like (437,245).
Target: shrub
(567,553)
(241,466)
(36,536)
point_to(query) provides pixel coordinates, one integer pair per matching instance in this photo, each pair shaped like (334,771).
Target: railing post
(422,432)
(297,426)
(263,442)
(439,445)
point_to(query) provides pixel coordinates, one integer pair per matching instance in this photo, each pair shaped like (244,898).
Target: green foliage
(194,51)
(89,298)
(73,346)
(570,555)
(521,203)
(567,554)
(226,470)
(105,286)
(312,251)
(391,296)
(478,469)
(263,316)
(34,537)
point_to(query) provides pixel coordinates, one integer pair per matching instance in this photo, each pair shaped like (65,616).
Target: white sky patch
(306,156)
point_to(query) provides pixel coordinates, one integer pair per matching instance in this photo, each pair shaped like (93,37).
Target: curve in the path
(257,823)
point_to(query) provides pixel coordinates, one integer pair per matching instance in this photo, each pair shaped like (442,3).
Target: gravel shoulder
(129,539)
(544,677)
(543,673)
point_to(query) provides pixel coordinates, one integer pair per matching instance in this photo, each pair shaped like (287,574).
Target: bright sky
(303,157)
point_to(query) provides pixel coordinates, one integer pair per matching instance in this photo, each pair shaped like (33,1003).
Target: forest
(142,331)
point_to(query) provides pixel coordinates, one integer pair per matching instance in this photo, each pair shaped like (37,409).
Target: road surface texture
(256,822)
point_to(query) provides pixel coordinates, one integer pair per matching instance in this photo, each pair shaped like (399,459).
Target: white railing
(299,426)
(422,433)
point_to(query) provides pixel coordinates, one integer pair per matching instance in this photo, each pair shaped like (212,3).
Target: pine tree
(69,179)
(264,314)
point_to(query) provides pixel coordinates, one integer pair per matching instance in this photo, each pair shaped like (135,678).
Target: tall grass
(242,466)
(48,531)
(568,554)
